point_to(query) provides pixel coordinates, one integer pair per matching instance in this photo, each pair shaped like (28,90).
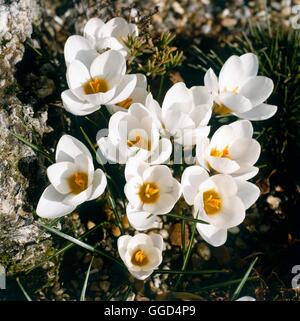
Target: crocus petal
(100,98)
(58,175)
(213,235)
(51,206)
(162,153)
(141,275)
(191,179)
(139,239)
(247,192)
(141,221)
(157,240)
(257,89)
(231,74)
(226,184)
(201,95)
(245,150)
(91,27)
(115,27)
(242,128)
(122,245)
(176,94)
(236,102)
(110,64)
(76,106)
(211,81)
(124,89)
(246,298)
(223,165)
(135,167)
(245,172)
(99,184)
(68,147)
(261,112)
(75,200)
(250,65)
(79,48)
(77,74)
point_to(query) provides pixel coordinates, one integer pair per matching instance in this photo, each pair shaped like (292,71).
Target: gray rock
(22,243)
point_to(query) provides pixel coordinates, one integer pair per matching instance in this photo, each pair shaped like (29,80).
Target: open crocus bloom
(219,200)
(149,190)
(132,134)
(141,253)
(97,81)
(99,36)
(231,150)
(110,34)
(138,95)
(239,90)
(185,113)
(73,179)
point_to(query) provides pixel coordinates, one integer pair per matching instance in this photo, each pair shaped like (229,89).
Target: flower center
(212,202)
(126,103)
(149,193)
(95,85)
(221,109)
(78,182)
(139,141)
(224,153)
(139,258)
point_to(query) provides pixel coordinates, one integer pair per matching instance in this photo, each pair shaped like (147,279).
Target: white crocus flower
(97,81)
(141,253)
(239,90)
(133,134)
(99,36)
(231,150)
(151,191)
(73,179)
(219,200)
(184,114)
(138,95)
(110,34)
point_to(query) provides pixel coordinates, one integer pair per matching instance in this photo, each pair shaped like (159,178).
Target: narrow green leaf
(33,146)
(23,290)
(80,243)
(243,281)
(82,296)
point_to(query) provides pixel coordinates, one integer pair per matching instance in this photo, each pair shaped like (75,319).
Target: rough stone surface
(22,244)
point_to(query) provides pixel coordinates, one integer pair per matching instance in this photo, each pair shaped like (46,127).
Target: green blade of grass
(243,281)
(23,290)
(65,248)
(190,219)
(82,296)
(227,283)
(33,146)
(188,254)
(80,243)
(191,272)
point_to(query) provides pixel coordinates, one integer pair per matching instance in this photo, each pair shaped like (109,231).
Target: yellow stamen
(224,153)
(95,85)
(140,142)
(212,202)
(78,182)
(221,109)
(139,258)
(126,103)
(149,193)
(235,90)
